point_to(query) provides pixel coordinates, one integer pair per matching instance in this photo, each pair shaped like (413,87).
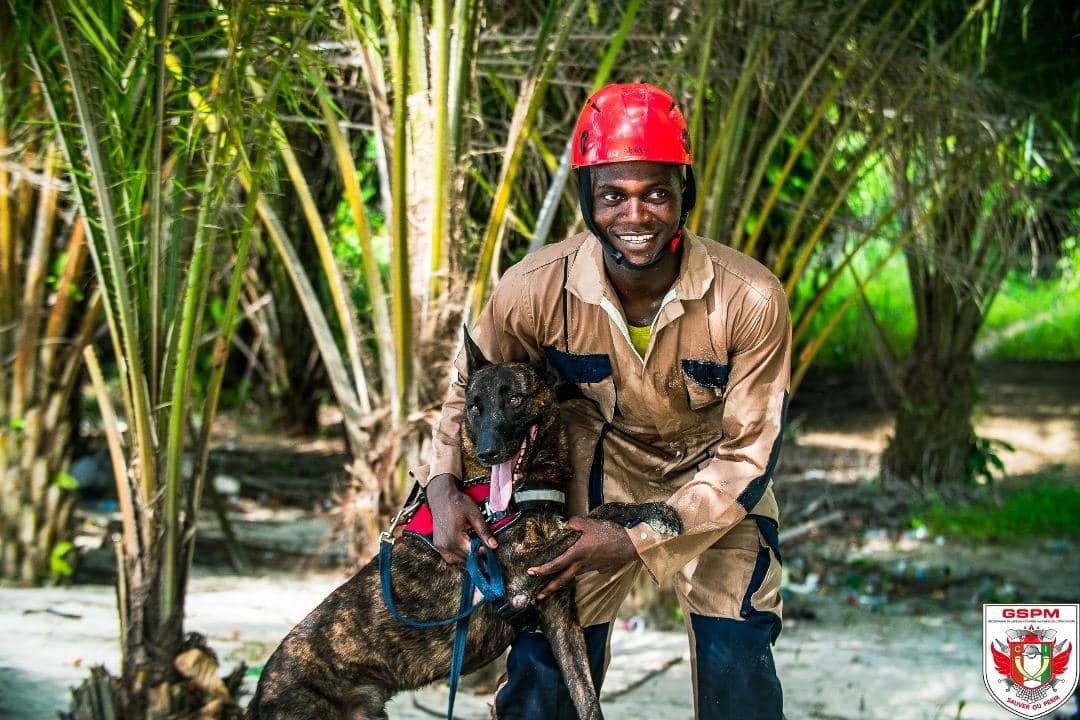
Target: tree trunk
(934,435)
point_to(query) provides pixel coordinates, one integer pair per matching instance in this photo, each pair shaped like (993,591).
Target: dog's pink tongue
(502,484)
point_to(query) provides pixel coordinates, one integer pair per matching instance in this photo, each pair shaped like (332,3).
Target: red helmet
(634,121)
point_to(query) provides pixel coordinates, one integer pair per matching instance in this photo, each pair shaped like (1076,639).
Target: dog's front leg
(660,516)
(558,620)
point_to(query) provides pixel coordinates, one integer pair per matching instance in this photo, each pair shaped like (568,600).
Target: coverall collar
(588,281)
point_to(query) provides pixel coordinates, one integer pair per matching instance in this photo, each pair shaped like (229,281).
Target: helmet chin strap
(689,197)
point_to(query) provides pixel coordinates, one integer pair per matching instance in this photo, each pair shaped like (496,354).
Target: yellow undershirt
(639,337)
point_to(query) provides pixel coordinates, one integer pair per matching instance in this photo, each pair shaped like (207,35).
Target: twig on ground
(810,525)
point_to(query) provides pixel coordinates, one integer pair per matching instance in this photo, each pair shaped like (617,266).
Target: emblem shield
(1029,666)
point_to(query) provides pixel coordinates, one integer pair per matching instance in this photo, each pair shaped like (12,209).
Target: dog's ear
(547,373)
(473,355)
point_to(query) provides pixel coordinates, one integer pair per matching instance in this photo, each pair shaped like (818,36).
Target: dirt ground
(882,622)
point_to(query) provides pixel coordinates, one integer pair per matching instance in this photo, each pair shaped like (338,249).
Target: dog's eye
(515,400)
(474,409)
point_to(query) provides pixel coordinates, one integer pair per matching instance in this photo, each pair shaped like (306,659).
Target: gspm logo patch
(1029,658)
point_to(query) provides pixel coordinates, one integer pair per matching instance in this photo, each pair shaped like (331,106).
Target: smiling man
(676,350)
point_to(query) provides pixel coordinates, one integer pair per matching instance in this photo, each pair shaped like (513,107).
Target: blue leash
(482,572)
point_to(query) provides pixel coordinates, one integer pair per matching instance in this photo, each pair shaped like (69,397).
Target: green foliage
(66,481)
(888,294)
(984,459)
(58,564)
(1035,320)
(1046,509)
(1028,319)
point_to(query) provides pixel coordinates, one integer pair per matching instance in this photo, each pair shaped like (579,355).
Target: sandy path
(848,664)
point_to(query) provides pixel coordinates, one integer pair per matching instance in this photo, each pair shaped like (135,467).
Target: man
(680,348)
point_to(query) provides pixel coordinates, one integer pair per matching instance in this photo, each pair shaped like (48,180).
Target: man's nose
(636,210)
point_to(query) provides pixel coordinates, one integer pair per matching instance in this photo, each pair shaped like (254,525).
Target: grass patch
(1042,510)
(1028,319)
(1035,321)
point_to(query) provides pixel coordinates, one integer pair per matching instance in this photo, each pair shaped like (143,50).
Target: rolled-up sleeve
(735,478)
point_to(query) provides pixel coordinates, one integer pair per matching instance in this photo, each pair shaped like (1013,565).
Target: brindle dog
(350,656)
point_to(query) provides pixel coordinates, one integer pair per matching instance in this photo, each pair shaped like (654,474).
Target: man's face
(636,205)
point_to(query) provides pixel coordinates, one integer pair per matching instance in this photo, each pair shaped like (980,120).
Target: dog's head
(510,409)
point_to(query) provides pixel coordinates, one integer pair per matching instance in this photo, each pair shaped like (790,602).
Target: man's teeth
(637,239)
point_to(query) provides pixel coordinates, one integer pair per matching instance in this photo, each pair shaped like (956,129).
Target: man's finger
(576,523)
(551,567)
(555,583)
(480,526)
(455,552)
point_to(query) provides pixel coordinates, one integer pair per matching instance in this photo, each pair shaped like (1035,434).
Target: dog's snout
(488,456)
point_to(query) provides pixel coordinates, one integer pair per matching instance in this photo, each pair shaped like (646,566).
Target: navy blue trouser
(735,675)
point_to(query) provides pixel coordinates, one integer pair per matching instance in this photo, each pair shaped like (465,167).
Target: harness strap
(464,610)
(483,573)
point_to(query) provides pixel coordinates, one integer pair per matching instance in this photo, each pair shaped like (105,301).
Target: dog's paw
(661,517)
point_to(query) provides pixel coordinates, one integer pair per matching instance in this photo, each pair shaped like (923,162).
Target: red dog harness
(415,516)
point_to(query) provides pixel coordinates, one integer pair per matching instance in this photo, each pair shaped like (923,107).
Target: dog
(350,655)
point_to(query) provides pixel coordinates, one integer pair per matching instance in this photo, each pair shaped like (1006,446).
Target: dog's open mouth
(505,474)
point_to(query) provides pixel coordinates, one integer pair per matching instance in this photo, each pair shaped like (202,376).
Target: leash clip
(526,617)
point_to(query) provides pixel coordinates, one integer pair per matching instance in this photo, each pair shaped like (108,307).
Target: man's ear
(474,356)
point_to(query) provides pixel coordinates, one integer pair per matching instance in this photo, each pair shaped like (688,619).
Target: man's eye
(610,197)
(660,195)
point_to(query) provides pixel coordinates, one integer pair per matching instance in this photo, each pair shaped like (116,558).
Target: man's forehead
(637,171)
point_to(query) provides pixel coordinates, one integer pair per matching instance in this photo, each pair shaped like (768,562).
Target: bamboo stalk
(562,171)
(25,365)
(64,381)
(440,146)
(342,302)
(213,395)
(194,295)
(130,538)
(529,98)
(401,301)
(107,262)
(8,278)
(782,126)
(320,328)
(461,46)
(154,234)
(59,314)
(372,278)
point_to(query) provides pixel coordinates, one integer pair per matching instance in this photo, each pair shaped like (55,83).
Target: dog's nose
(488,457)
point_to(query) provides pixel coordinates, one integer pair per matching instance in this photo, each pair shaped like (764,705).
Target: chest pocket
(706,381)
(589,372)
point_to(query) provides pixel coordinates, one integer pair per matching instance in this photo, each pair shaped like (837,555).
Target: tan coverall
(696,423)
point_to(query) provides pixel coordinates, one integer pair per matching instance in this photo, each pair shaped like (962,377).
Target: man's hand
(453,514)
(603,545)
